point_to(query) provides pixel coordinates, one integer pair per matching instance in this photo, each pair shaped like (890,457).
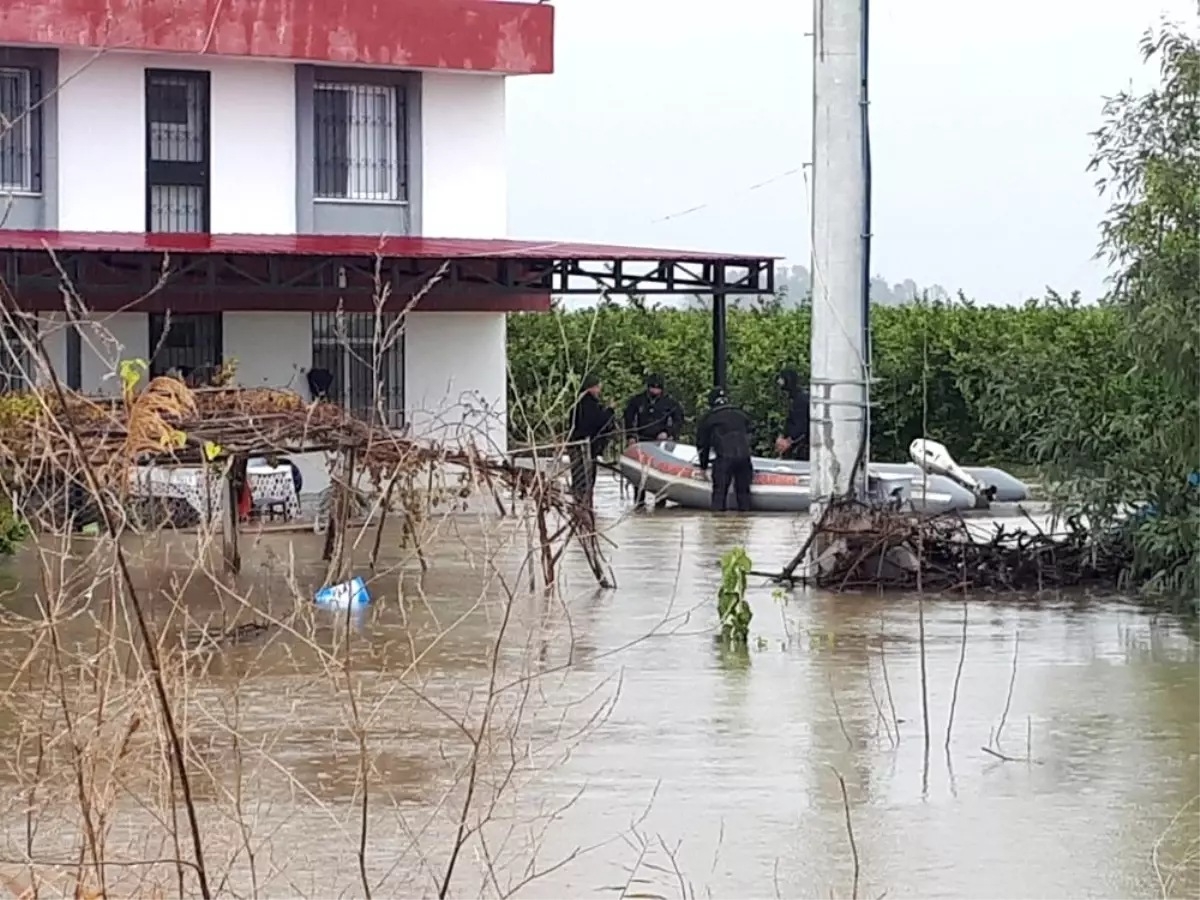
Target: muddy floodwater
(626,754)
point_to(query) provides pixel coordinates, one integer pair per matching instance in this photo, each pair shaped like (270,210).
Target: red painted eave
(335,245)
(472,35)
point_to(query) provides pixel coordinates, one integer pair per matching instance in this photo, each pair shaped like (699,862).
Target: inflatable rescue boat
(671,472)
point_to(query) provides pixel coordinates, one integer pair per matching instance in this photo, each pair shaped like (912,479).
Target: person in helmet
(725,430)
(793,443)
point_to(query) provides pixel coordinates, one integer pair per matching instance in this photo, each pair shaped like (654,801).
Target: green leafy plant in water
(732,609)
(13,529)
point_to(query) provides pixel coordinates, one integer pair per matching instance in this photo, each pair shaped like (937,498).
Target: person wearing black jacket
(653,415)
(793,443)
(592,425)
(725,430)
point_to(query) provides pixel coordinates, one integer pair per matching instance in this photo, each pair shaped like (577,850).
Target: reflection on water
(622,740)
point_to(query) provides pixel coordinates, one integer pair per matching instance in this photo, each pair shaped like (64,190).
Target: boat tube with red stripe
(671,471)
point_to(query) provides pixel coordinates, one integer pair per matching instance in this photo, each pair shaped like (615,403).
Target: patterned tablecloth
(273,484)
(268,484)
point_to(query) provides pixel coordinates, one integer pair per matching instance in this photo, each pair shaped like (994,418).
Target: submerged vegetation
(733,610)
(13,529)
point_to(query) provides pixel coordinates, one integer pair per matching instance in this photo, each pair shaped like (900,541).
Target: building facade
(309,120)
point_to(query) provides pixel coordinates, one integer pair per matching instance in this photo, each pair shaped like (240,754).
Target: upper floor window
(359,141)
(177,151)
(20,130)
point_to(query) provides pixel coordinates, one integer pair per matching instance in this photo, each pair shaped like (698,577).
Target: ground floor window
(363,354)
(16,361)
(186,345)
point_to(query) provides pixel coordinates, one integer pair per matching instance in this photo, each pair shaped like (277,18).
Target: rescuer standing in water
(725,430)
(592,425)
(652,415)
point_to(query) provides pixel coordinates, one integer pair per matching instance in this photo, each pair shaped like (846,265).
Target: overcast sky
(979,124)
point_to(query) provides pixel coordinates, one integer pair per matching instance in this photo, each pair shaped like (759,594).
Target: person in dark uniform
(793,443)
(592,425)
(725,430)
(653,415)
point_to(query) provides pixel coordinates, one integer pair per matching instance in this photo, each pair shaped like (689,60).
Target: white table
(268,484)
(187,483)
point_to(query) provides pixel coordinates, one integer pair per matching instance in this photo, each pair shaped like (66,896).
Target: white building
(274,152)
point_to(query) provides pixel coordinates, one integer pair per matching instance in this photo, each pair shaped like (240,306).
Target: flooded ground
(624,753)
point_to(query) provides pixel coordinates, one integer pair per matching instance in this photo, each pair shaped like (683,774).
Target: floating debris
(348,593)
(867,547)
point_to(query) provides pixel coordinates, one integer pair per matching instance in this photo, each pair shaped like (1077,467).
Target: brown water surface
(622,739)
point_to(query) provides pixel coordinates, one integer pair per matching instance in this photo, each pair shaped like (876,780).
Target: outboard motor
(934,459)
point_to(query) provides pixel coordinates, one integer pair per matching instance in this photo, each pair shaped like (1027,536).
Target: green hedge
(978,379)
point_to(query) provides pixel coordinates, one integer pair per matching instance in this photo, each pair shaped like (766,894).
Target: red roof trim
(348,246)
(474,35)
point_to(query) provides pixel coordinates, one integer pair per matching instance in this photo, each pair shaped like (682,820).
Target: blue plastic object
(340,596)
(1194,479)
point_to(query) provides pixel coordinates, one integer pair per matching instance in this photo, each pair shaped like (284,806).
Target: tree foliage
(1127,424)
(935,365)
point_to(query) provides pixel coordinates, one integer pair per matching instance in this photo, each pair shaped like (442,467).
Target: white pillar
(839,223)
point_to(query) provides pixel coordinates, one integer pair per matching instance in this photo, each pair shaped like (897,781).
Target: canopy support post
(719,349)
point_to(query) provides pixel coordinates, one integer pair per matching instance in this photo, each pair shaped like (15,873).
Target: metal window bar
(177,151)
(366,367)
(359,142)
(16,361)
(20,130)
(74,358)
(187,346)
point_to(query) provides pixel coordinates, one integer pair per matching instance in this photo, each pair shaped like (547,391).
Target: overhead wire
(745,190)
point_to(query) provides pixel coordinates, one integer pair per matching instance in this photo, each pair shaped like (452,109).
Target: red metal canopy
(265,272)
(351,245)
(474,35)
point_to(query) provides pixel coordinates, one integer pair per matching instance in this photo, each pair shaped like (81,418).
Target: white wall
(112,338)
(103,342)
(464,181)
(272,349)
(102,142)
(455,363)
(455,371)
(54,339)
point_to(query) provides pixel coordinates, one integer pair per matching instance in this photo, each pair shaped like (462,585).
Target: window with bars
(359,141)
(366,369)
(177,151)
(187,346)
(16,362)
(20,130)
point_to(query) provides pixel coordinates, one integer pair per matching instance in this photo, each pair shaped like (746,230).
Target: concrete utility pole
(840,252)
